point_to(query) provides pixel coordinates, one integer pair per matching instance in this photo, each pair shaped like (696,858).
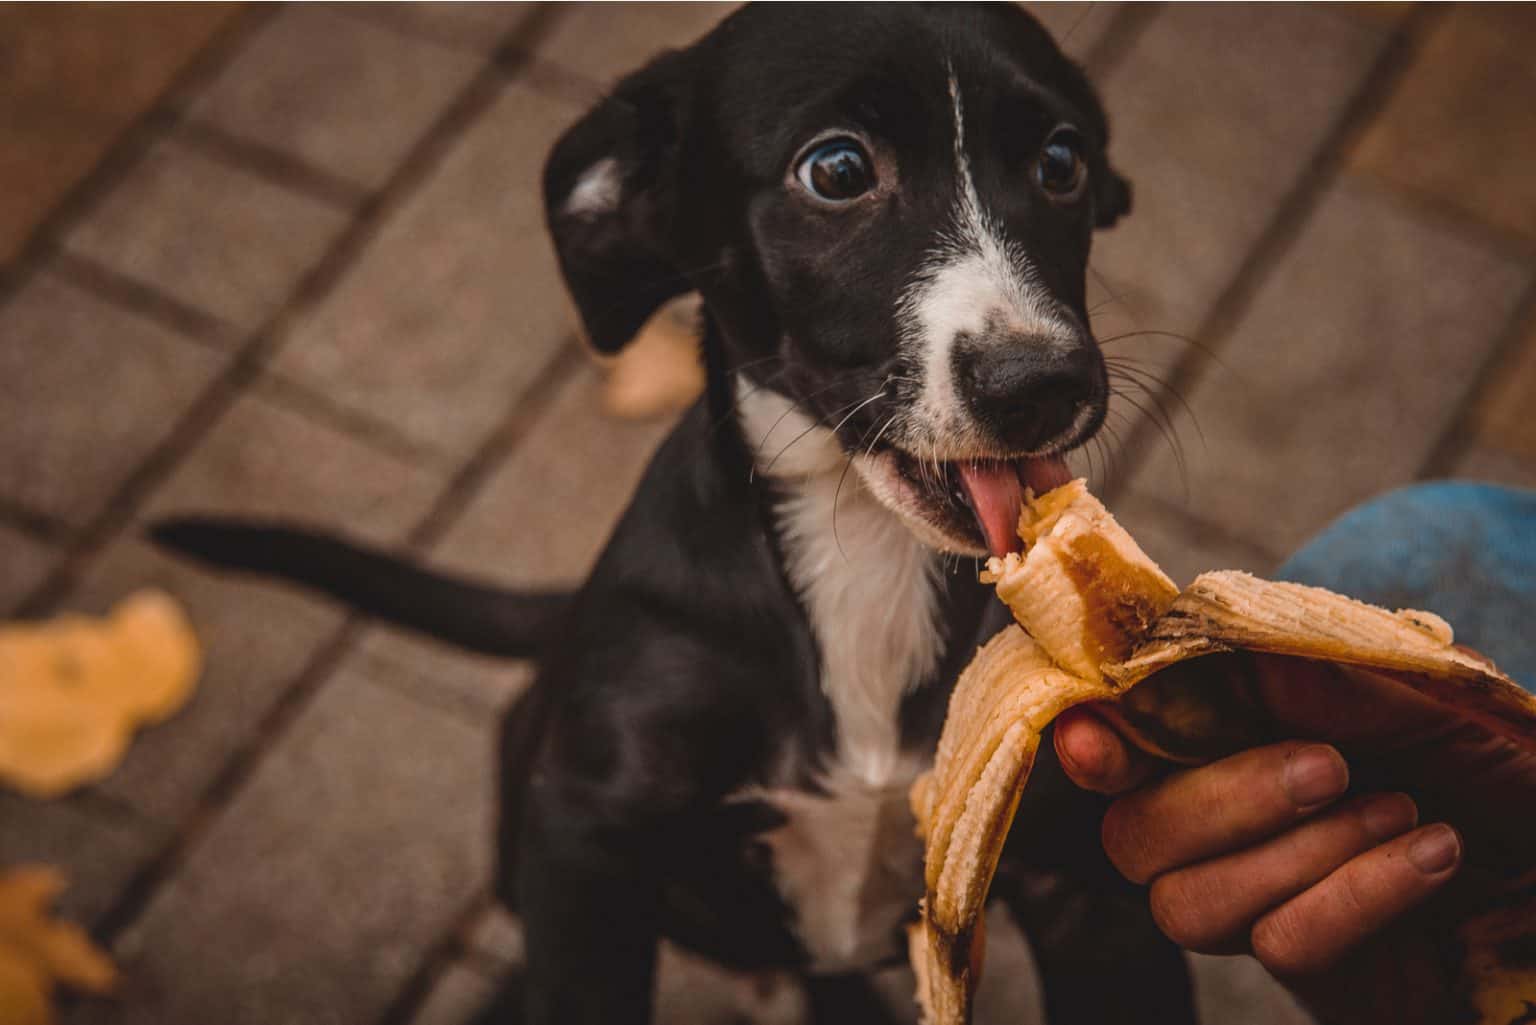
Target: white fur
(847,861)
(974,279)
(597,191)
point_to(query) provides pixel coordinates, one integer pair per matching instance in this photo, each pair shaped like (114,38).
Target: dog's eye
(1060,169)
(836,171)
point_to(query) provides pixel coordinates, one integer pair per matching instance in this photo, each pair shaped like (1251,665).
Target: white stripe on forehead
(974,279)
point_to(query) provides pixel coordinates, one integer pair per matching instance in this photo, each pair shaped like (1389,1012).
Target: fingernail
(1313,775)
(1434,850)
(1388,815)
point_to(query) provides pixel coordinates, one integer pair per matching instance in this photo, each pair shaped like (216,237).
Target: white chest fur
(847,860)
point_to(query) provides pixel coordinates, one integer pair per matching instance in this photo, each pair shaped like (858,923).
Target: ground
(290,261)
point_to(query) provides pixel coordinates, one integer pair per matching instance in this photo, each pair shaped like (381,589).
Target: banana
(1100,622)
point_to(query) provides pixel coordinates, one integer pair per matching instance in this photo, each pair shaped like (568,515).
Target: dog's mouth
(980,499)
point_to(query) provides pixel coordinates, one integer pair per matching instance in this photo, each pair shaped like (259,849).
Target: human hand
(1337,859)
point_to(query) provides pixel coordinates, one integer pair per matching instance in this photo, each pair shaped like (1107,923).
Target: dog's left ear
(609,202)
(1111,197)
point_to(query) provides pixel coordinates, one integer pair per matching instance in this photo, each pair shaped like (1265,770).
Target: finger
(1096,757)
(1204,812)
(1210,907)
(1312,931)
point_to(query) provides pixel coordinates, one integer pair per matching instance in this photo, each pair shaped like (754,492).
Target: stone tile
(457,303)
(26,560)
(247,466)
(74,78)
(1182,545)
(607,41)
(1214,117)
(1497,466)
(88,391)
(1503,414)
(257,636)
(471,26)
(210,235)
(339,93)
(480,685)
(98,850)
(456,997)
(1233,989)
(1461,127)
(1346,369)
(545,515)
(316,892)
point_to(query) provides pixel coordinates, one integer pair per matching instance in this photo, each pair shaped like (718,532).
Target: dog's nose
(1026,392)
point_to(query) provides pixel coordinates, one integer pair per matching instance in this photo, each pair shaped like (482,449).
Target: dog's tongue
(996,493)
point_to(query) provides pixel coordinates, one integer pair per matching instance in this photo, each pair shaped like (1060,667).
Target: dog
(888,213)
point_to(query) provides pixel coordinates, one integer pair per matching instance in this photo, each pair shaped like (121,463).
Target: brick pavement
(310,280)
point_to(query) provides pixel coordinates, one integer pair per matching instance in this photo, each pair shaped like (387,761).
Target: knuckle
(1180,910)
(1126,843)
(1279,942)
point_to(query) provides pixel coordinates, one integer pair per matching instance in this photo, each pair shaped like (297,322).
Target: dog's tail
(471,615)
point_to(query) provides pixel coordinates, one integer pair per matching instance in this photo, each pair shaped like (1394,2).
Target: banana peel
(74,689)
(1099,622)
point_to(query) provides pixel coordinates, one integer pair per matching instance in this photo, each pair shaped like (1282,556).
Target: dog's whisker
(1171,437)
(818,423)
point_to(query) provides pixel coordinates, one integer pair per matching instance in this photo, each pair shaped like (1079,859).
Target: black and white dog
(887,211)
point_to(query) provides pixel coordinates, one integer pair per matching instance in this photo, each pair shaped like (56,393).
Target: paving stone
(258,636)
(206,233)
(545,515)
(26,560)
(1503,414)
(457,304)
(341,94)
(88,390)
(472,26)
(99,850)
(441,674)
(1461,127)
(1238,989)
(313,896)
(604,42)
(1214,116)
(457,997)
(1182,545)
(1346,369)
(74,78)
(1497,466)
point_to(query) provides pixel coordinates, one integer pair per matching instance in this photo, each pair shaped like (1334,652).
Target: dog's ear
(609,201)
(1111,197)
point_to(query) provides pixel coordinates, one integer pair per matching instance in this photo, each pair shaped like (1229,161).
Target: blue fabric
(1466,552)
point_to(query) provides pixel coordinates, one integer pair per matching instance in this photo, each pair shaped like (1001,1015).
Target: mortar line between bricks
(226,387)
(1286,224)
(271,164)
(39,526)
(1461,432)
(144,299)
(123,155)
(247,757)
(363,427)
(433,965)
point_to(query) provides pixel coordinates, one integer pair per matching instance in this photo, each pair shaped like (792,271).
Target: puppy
(887,212)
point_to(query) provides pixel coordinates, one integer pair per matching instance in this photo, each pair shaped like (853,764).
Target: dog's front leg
(590,915)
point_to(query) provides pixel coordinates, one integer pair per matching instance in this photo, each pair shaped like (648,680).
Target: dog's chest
(847,860)
(847,863)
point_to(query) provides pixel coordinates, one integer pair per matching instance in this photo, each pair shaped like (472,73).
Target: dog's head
(888,213)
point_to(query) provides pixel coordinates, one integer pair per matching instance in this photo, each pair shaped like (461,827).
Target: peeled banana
(1100,622)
